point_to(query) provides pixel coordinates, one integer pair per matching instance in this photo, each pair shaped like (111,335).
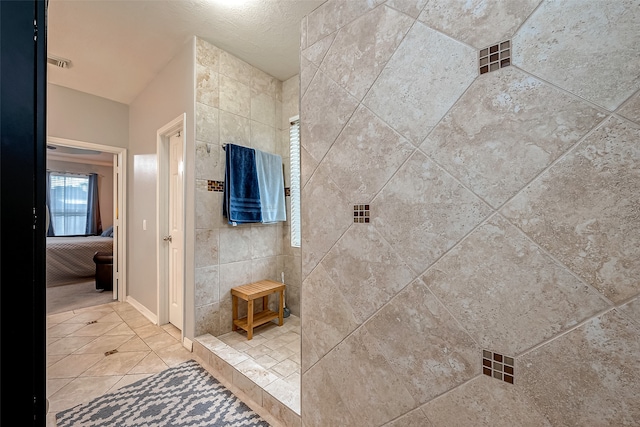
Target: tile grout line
(561,264)
(337,29)
(418,277)
(551,165)
(526,19)
(564,91)
(395,51)
(622,118)
(578,325)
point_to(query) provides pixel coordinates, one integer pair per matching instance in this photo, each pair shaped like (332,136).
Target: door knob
(167,238)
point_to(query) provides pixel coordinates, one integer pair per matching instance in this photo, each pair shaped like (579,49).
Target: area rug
(185,395)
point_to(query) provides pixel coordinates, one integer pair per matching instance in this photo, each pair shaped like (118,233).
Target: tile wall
(239,104)
(290,258)
(502,204)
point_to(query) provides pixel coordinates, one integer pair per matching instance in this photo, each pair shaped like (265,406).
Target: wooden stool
(253,291)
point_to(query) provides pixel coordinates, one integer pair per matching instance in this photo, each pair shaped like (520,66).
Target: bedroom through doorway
(85,249)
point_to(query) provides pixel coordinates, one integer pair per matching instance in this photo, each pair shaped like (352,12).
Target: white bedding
(70,259)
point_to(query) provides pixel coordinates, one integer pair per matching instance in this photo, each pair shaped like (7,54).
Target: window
(71,203)
(294,158)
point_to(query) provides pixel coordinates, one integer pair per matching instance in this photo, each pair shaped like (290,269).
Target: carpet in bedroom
(75,296)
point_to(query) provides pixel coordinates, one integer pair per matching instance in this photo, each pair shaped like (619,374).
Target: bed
(70,258)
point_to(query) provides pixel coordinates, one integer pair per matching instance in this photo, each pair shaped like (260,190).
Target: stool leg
(250,319)
(281,310)
(265,302)
(234,309)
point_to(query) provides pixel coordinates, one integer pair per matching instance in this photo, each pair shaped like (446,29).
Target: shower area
(239,104)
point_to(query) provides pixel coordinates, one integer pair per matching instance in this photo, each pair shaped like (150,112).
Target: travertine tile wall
(240,104)
(504,213)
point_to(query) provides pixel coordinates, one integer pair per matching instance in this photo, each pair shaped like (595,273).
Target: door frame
(162,220)
(23,123)
(119,207)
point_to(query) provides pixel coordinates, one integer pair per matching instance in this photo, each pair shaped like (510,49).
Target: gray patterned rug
(185,395)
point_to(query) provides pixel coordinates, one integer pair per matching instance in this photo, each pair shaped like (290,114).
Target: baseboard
(187,343)
(142,309)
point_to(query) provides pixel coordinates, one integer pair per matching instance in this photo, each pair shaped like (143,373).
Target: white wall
(170,95)
(82,117)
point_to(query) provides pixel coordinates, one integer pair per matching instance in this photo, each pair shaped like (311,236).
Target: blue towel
(271,185)
(241,192)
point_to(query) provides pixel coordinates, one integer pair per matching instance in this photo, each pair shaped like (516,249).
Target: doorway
(171,222)
(118,157)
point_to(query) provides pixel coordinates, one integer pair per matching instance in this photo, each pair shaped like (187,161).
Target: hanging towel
(271,184)
(241,192)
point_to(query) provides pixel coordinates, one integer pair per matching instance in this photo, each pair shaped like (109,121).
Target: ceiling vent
(58,62)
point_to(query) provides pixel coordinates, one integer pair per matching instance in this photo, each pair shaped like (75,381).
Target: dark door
(22,212)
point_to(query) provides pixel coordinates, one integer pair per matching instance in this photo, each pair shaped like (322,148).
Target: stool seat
(251,292)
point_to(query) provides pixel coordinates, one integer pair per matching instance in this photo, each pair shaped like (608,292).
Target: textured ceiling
(117,47)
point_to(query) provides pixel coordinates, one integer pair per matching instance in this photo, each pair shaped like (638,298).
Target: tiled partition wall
(497,279)
(239,104)
(290,259)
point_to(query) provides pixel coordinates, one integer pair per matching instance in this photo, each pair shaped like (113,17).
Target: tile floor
(81,364)
(277,350)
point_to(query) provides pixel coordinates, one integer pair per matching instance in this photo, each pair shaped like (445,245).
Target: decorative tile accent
(215,186)
(361,213)
(218,186)
(494,57)
(498,366)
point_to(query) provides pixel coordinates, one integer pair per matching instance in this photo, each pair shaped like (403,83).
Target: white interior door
(176,231)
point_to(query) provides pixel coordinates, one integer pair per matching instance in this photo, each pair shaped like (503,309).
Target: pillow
(108,232)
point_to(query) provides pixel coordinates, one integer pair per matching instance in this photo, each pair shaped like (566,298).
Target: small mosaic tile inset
(215,186)
(495,57)
(287,191)
(498,366)
(361,213)
(202,185)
